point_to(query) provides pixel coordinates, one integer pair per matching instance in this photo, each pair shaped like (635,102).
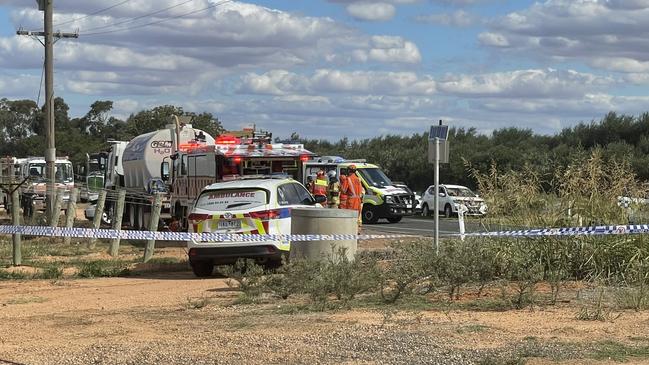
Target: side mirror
(164,171)
(320,199)
(442,195)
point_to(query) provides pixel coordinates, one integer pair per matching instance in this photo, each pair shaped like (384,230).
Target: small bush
(51,272)
(249,277)
(103,268)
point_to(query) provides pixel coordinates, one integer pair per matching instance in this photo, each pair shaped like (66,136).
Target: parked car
(248,206)
(450,198)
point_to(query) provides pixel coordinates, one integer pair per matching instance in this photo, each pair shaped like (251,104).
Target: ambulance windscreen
(231,199)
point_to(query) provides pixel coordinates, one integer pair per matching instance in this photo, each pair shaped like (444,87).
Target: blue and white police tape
(234,237)
(181,236)
(565,231)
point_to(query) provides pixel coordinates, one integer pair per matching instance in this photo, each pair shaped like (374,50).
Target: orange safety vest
(320,187)
(355,192)
(344,185)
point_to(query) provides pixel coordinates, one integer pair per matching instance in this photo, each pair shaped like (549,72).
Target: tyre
(394,219)
(448,211)
(425,211)
(203,269)
(369,216)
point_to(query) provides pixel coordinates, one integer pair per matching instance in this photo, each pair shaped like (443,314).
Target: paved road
(421,226)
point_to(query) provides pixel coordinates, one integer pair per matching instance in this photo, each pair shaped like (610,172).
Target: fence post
(71,212)
(99,212)
(58,201)
(153,226)
(15,212)
(117,223)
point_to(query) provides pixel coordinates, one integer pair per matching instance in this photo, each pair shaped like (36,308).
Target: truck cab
(381,200)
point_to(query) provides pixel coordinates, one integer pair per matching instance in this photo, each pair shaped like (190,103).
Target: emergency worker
(320,185)
(309,184)
(343,192)
(333,190)
(355,193)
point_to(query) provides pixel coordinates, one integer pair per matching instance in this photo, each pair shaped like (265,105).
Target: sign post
(437,153)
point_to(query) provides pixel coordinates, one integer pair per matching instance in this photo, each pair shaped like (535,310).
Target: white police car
(245,206)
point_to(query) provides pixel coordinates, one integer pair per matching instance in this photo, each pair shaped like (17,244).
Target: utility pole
(50,153)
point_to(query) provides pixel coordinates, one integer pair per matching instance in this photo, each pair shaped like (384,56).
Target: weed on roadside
(611,350)
(197,303)
(103,268)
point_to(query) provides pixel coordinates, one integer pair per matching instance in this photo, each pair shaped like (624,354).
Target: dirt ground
(174,318)
(158,317)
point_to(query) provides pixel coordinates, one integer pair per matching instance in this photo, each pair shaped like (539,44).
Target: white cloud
(371,11)
(389,49)
(282,82)
(524,84)
(606,34)
(19,86)
(493,39)
(459,18)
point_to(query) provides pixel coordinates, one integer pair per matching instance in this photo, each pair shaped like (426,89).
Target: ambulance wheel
(203,269)
(448,211)
(394,219)
(369,215)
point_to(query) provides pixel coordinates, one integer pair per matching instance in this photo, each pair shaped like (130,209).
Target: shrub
(103,268)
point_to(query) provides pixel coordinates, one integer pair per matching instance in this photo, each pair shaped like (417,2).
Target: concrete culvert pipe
(323,221)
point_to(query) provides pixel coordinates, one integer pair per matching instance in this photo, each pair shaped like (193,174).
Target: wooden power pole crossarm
(57,35)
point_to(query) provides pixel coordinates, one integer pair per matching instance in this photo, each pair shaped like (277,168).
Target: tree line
(403,158)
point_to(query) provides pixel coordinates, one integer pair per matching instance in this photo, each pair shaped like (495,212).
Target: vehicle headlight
(389,199)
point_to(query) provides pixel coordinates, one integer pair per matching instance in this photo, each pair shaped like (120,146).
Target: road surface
(422,226)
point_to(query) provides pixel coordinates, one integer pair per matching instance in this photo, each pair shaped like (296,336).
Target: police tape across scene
(238,238)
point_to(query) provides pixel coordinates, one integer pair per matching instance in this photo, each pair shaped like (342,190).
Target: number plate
(229,224)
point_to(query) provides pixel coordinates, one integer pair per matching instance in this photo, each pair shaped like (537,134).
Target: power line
(40,85)
(162,20)
(138,17)
(93,13)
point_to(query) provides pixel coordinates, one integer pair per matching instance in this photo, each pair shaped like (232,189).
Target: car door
(290,195)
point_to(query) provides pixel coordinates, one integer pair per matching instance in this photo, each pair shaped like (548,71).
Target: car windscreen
(375,177)
(461,192)
(231,199)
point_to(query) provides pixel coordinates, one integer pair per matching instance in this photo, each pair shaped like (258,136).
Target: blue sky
(335,68)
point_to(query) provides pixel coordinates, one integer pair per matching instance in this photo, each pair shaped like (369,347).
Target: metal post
(99,212)
(153,226)
(15,212)
(50,152)
(71,213)
(117,223)
(436,201)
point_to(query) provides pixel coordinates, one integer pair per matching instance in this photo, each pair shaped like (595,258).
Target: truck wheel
(448,211)
(425,211)
(394,219)
(203,269)
(369,216)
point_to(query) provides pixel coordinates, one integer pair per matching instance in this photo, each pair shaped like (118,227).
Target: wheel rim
(448,211)
(425,211)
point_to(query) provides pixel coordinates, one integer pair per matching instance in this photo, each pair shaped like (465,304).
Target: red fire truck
(230,157)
